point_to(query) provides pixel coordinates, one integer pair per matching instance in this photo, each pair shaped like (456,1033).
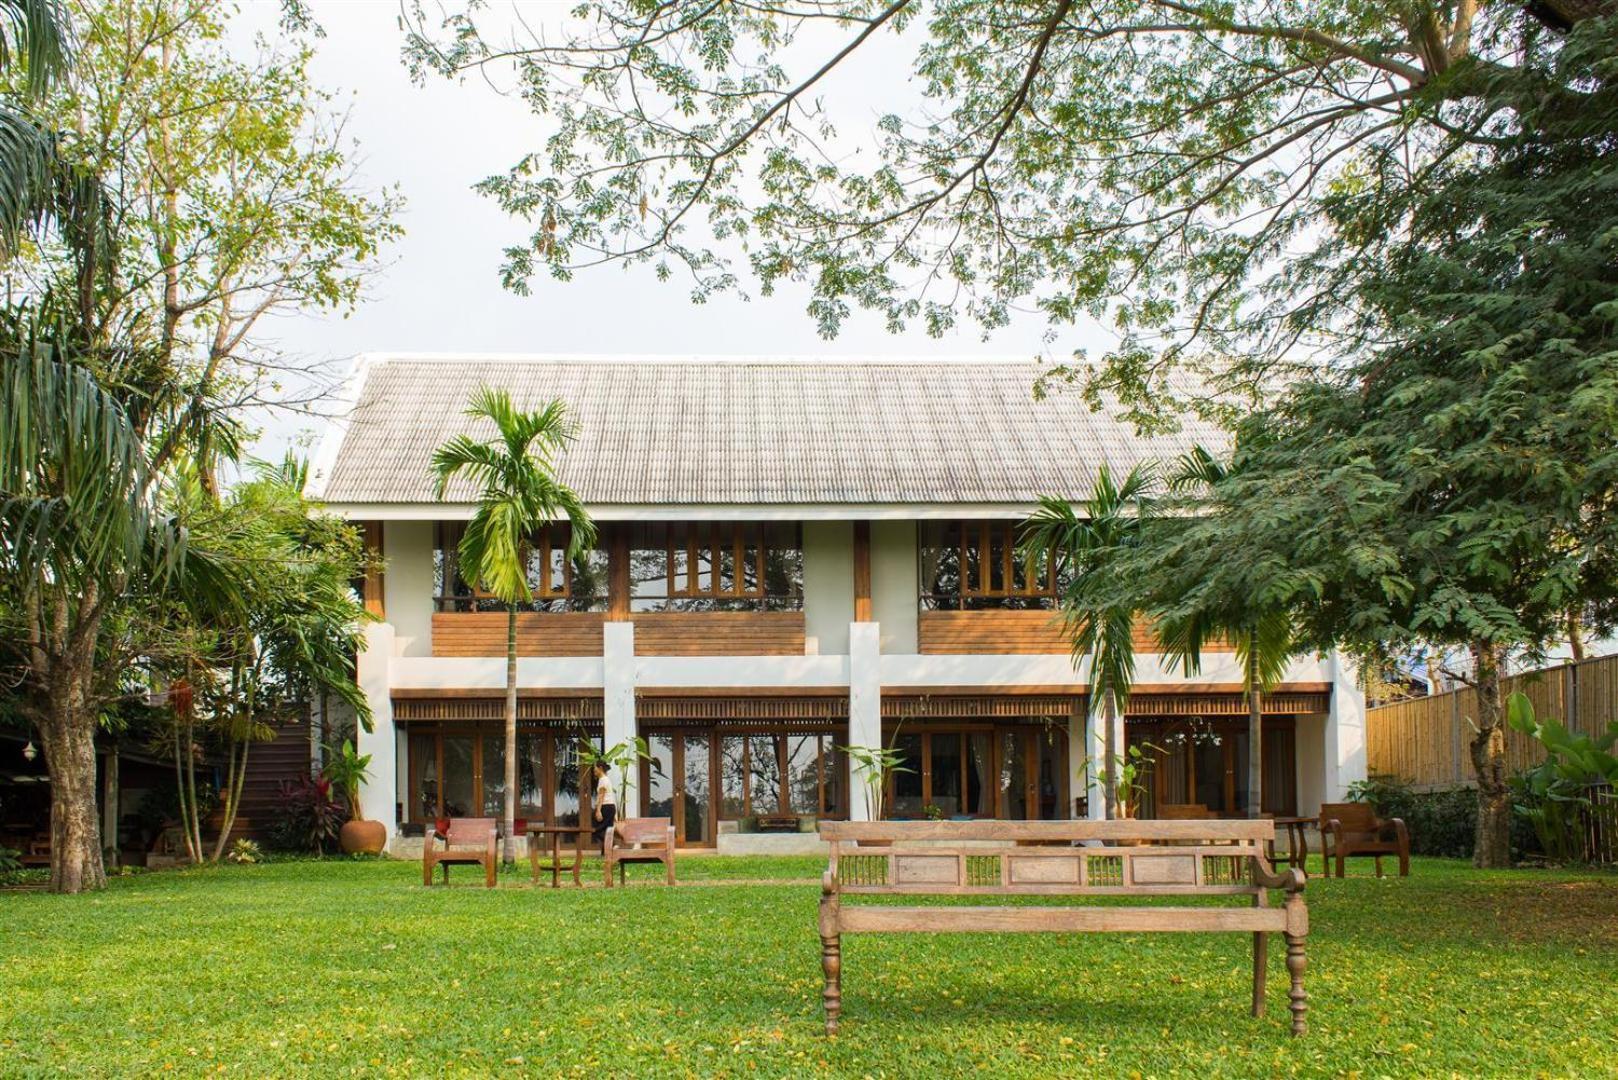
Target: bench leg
(1379,866)
(426,873)
(1261,957)
(488,873)
(1404,862)
(831,961)
(1300,1000)
(668,866)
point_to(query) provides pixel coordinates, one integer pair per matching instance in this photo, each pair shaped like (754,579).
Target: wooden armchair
(466,842)
(1184,812)
(641,840)
(1354,829)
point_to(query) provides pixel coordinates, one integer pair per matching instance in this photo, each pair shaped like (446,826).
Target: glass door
(459,780)
(679,784)
(694,825)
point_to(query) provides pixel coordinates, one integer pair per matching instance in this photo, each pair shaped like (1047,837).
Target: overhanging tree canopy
(1154,163)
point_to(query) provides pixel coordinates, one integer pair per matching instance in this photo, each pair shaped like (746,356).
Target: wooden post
(618,575)
(1457,742)
(862,571)
(374,580)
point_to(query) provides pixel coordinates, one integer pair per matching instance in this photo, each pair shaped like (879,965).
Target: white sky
(441,291)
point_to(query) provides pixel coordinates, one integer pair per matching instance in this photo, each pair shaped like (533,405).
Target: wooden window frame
(436,733)
(980,535)
(1026,735)
(446,539)
(712,538)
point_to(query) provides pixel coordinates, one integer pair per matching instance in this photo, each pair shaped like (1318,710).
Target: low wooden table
(1297,841)
(554,833)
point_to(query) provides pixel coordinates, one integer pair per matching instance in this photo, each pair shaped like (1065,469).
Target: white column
(618,704)
(1345,728)
(380,796)
(864,706)
(1096,750)
(1076,749)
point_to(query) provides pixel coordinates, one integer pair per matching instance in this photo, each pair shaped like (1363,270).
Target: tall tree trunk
(1575,635)
(1255,752)
(510,849)
(1109,754)
(1493,840)
(234,778)
(68,732)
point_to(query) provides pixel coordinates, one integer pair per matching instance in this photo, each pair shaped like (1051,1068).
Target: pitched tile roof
(741,432)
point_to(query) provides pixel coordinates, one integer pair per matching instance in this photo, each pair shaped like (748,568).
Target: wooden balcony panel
(483,633)
(664,633)
(1008,632)
(719,633)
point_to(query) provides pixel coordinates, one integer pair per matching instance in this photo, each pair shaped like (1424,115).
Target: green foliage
(872,765)
(1154,165)
(309,818)
(516,489)
(1086,544)
(245,852)
(1554,796)
(735,967)
(10,860)
(1440,822)
(347,770)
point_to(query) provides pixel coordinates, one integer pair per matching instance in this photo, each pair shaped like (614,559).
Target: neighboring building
(795,556)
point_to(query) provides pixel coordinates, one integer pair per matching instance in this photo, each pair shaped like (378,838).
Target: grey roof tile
(753,432)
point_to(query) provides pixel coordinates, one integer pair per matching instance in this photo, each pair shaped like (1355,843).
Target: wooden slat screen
(1425,740)
(492,707)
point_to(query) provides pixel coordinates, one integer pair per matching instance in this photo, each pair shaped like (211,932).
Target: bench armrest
(828,880)
(1291,879)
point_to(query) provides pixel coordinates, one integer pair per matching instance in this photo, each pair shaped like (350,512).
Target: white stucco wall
(1310,751)
(379,796)
(894,584)
(407,587)
(828,586)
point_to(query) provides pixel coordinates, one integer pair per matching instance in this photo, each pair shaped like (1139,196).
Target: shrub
(311,816)
(1441,822)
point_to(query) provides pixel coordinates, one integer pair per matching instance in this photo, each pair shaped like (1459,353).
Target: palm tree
(38,182)
(1086,541)
(80,536)
(1262,637)
(519,495)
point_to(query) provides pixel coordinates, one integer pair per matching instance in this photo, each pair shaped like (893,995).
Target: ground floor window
(979,770)
(459,771)
(700,775)
(1203,761)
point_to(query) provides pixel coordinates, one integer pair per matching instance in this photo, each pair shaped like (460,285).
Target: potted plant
(348,770)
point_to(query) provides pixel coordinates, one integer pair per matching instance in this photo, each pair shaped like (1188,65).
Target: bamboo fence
(1426,740)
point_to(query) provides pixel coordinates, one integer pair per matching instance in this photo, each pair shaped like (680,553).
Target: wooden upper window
(557,582)
(977,564)
(716,566)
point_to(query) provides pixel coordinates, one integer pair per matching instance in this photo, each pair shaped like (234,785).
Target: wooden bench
(647,839)
(950,858)
(1348,829)
(467,842)
(777,823)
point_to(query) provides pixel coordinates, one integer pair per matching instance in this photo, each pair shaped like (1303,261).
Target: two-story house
(795,557)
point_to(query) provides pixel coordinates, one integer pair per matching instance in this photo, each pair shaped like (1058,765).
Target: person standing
(606,806)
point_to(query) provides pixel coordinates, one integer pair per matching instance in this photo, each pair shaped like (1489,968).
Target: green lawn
(338,968)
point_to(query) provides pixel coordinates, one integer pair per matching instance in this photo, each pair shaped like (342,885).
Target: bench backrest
(644,830)
(1129,858)
(471,830)
(1355,817)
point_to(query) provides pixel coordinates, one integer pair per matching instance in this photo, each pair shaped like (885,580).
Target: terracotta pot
(363,838)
